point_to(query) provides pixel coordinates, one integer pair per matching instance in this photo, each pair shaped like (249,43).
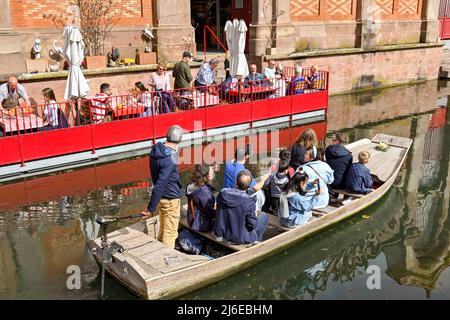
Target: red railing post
(19,137)
(90,124)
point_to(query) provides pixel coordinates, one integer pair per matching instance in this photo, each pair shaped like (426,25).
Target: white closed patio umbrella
(236,34)
(76,85)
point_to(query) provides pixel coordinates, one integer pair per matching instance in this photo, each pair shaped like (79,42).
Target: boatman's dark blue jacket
(165,175)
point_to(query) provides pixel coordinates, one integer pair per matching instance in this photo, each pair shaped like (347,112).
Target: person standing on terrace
(206,74)
(159,80)
(11,92)
(182,73)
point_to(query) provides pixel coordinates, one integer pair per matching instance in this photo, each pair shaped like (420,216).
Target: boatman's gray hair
(174,134)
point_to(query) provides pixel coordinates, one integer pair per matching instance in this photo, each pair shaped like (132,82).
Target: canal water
(45,222)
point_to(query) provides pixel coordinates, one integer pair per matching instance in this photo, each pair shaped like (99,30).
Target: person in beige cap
(167,189)
(358,178)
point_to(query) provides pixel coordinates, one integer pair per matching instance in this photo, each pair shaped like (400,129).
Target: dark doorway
(213,13)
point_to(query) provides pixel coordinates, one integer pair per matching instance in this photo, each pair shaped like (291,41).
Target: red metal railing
(98,122)
(207,28)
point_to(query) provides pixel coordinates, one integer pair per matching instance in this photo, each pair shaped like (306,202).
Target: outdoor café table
(12,123)
(131,110)
(255,92)
(197,99)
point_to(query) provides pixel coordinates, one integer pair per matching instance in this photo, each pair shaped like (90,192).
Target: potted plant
(96,19)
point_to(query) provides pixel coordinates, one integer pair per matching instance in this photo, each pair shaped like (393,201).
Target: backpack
(190,243)
(166,102)
(283,209)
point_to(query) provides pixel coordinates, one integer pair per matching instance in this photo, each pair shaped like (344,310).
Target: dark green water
(45,222)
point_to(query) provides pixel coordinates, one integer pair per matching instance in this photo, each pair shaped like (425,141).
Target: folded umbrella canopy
(76,85)
(235,35)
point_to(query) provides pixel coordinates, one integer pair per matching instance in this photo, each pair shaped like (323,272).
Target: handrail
(215,37)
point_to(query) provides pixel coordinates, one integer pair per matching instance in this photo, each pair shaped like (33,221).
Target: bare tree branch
(97,19)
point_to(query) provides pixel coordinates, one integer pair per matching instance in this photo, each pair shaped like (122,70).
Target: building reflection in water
(45,221)
(415,236)
(408,229)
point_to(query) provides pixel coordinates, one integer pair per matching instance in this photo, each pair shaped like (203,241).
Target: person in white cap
(167,189)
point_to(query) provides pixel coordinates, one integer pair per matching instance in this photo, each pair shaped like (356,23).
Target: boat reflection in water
(406,235)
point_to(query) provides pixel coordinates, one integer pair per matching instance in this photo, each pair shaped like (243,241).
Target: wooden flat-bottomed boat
(154,271)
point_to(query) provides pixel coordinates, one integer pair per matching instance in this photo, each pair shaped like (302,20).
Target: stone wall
(126,39)
(372,69)
(348,111)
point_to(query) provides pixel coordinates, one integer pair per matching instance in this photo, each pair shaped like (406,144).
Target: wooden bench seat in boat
(348,193)
(325,210)
(209,235)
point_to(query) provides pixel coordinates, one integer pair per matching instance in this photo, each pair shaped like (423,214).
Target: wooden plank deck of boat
(145,259)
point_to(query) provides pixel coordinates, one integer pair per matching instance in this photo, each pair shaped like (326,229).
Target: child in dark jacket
(359,179)
(276,184)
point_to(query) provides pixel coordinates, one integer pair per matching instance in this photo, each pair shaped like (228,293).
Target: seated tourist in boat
(283,155)
(300,206)
(318,169)
(340,160)
(237,220)
(254,78)
(276,184)
(101,103)
(358,178)
(314,80)
(307,139)
(200,198)
(232,168)
(298,82)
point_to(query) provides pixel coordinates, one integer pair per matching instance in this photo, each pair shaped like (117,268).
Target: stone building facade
(361,42)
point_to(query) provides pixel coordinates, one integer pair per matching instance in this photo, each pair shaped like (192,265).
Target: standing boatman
(167,189)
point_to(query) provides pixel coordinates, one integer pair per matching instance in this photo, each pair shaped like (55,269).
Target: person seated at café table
(237,220)
(143,97)
(279,84)
(298,82)
(314,79)
(10,94)
(228,84)
(269,71)
(101,103)
(254,78)
(53,116)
